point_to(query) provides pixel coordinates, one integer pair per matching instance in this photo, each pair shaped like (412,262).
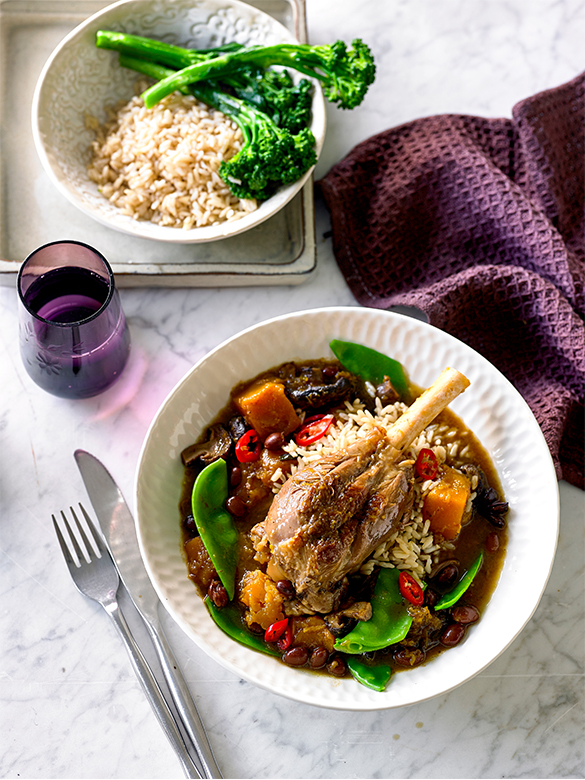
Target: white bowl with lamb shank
(391,533)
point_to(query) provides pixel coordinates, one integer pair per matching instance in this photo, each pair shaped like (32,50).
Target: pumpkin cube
(444,504)
(267,409)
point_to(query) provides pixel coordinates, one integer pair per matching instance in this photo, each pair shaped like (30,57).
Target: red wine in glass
(74,339)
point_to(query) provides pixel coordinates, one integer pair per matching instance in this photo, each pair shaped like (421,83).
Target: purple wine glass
(74,339)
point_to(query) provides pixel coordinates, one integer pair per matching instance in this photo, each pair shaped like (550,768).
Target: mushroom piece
(386,393)
(217,445)
(237,427)
(341,622)
(315,395)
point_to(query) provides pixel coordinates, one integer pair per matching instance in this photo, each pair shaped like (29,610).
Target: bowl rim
(381,702)
(146,229)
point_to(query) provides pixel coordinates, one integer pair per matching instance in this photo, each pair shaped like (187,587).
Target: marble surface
(71,705)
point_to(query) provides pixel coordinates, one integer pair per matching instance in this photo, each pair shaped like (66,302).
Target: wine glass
(74,339)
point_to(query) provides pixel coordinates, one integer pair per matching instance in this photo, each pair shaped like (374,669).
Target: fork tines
(83,543)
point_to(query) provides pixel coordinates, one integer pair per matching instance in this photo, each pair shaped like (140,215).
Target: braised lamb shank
(332,514)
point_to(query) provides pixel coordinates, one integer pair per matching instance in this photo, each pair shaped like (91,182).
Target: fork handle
(152,690)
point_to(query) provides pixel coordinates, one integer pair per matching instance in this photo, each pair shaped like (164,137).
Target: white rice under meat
(161,164)
(415,548)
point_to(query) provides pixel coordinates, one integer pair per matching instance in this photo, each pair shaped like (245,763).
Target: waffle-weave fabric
(480,224)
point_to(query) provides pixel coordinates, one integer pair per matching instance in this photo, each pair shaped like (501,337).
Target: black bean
(235,476)
(296,656)
(431,597)
(465,614)
(274,442)
(329,373)
(218,594)
(337,666)
(452,635)
(318,658)
(235,506)
(448,575)
(492,542)
(286,588)
(409,656)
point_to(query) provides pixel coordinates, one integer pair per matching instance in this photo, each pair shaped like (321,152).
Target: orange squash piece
(444,504)
(263,599)
(267,409)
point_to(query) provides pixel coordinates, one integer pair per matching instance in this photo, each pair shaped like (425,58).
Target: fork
(94,573)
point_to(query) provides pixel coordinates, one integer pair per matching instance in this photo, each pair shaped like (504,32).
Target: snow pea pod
(449,599)
(374,677)
(390,621)
(372,366)
(229,620)
(216,527)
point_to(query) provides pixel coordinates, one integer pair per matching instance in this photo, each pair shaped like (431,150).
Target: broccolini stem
(147,68)
(158,51)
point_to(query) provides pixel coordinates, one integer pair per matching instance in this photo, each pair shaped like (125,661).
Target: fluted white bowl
(491,407)
(79,80)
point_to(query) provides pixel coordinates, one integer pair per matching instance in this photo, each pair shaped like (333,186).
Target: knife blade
(119,529)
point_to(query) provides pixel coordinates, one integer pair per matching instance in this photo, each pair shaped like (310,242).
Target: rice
(414,548)
(161,164)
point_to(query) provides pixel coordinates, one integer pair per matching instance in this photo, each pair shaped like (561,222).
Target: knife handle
(153,692)
(183,700)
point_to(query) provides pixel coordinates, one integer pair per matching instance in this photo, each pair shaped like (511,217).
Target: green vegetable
(229,620)
(149,49)
(271,156)
(270,110)
(374,677)
(451,598)
(272,92)
(372,366)
(390,621)
(345,74)
(215,524)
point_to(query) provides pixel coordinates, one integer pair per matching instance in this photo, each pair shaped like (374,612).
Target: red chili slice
(248,447)
(410,589)
(313,429)
(286,639)
(276,630)
(426,465)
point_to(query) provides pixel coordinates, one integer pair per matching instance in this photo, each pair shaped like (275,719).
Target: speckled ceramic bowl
(80,80)
(491,407)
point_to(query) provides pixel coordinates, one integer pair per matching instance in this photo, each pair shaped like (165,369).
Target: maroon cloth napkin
(480,224)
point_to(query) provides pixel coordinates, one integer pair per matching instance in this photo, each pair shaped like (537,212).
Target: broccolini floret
(271,156)
(275,93)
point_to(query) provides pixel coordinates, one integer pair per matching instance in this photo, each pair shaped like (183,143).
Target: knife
(118,526)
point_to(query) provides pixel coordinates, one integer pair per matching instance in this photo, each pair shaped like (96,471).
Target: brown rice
(161,164)
(415,548)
